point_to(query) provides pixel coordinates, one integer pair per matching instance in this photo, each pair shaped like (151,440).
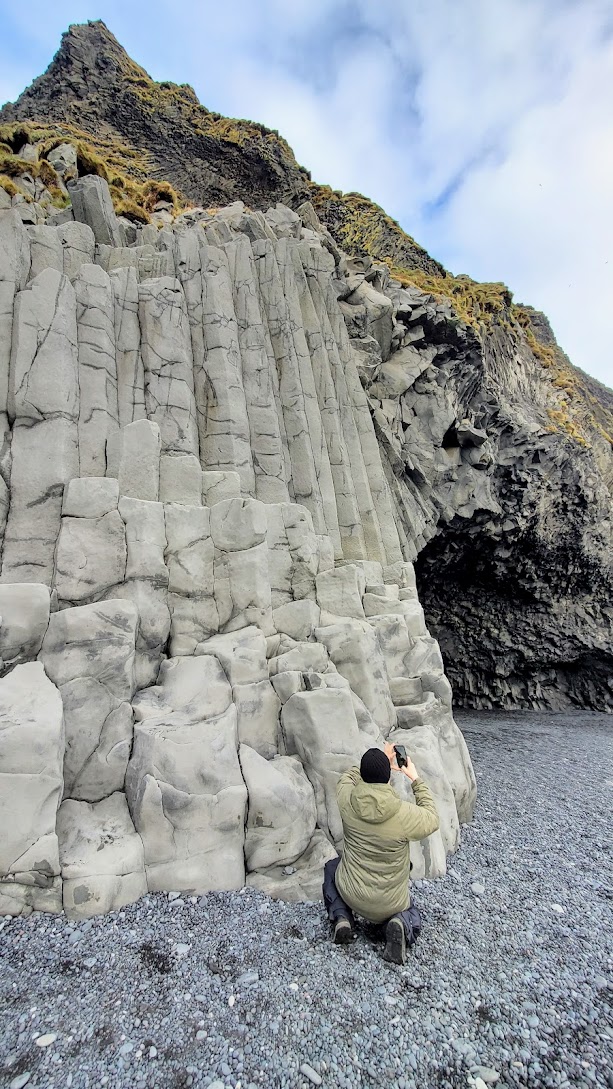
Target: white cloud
(483,127)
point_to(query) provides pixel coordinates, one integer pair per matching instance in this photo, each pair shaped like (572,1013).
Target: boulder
(242,655)
(354,650)
(92,204)
(90,497)
(31,756)
(300,881)
(321,728)
(90,558)
(183,784)
(281,815)
(101,856)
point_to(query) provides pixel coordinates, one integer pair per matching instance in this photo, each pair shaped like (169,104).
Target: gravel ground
(510,981)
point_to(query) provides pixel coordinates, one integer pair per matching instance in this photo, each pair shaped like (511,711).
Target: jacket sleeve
(344,787)
(422,818)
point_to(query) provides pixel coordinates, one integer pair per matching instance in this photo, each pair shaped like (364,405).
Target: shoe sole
(395,943)
(344,936)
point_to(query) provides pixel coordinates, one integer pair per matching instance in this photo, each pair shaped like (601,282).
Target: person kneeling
(372,876)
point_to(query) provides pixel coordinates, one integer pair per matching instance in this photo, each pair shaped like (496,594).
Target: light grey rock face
(14,271)
(223,422)
(354,649)
(89,653)
(44,403)
(258,370)
(167,359)
(24,616)
(31,757)
(78,244)
(190,558)
(45,249)
(204,536)
(133,457)
(92,204)
(44,379)
(101,856)
(90,557)
(282,814)
(130,371)
(321,728)
(98,411)
(184,786)
(181,480)
(300,881)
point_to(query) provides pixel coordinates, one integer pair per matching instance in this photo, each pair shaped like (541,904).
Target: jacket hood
(374,802)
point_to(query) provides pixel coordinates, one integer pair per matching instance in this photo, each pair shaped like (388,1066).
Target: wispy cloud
(486,129)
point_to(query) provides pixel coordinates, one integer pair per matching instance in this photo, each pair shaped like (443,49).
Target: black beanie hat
(375,767)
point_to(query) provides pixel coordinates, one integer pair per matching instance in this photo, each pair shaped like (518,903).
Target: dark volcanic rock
(91,82)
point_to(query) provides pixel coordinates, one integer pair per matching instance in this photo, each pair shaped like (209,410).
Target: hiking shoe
(343,932)
(395,942)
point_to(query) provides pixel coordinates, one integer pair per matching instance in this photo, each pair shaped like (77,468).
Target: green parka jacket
(373,874)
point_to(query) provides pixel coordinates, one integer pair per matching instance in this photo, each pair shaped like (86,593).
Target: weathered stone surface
(354,649)
(257,710)
(92,204)
(31,755)
(90,557)
(24,616)
(242,655)
(89,653)
(98,410)
(45,249)
(93,640)
(281,815)
(180,479)
(259,374)
(133,457)
(184,786)
(339,592)
(298,619)
(130,370)
(238,524)
(322,730)
(14,271)
(190,556)
(90,497)
(167,358)
(101,856)
(303,882)
(78,244)
(44,379)
(217,486)
(223,422)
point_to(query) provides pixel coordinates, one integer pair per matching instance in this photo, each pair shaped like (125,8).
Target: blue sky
(484,126)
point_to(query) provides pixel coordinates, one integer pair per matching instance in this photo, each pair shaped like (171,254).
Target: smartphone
(401,756)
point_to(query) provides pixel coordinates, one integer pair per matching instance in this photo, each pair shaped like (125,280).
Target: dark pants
(338,909)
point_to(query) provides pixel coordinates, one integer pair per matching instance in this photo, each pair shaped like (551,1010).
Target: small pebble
(311,1074)
(20,1080)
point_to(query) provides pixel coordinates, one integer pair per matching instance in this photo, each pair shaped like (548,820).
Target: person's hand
(411,771)
(388,749)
